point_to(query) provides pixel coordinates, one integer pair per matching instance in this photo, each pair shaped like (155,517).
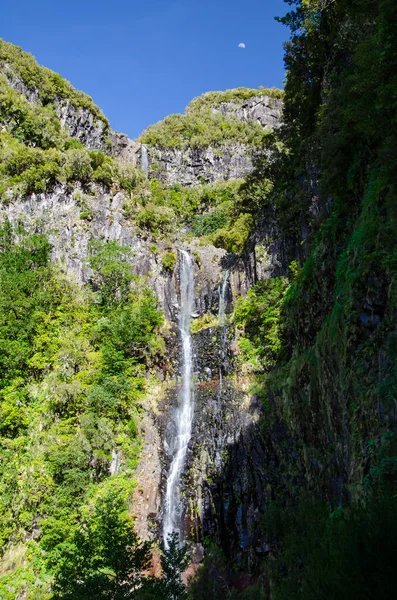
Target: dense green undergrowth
(73,371)
(211,212)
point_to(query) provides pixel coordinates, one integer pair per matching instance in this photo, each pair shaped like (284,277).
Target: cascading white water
(185,410)
(222,299)
(144,160)
(221,322)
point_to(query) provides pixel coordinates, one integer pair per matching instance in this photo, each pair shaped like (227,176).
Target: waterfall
(221,321)
(144,159)
(222,299)
(115,463)
(185,410)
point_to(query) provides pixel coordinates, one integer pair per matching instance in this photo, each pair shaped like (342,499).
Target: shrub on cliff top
(202,128)
(236,95)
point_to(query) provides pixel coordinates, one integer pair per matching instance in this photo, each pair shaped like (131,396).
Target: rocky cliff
(177,153)
(77,113)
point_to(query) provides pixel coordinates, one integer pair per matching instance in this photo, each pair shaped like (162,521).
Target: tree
(174,560)
(102,557)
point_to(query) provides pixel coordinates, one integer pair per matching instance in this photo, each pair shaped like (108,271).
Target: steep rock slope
(76,111)
(216,138)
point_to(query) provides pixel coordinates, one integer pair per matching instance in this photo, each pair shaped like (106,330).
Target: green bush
(257,315)
(168,260)
(156,219)
(209,223)
(77,166)
(32,125)
(234,236)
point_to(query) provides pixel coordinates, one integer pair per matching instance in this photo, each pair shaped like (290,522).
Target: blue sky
(141,61)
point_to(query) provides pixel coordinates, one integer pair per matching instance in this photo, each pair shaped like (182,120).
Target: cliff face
(77,113)
(174,160)
(265,110)
(192,166)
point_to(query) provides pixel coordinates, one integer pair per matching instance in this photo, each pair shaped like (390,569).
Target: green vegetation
(33,125)
(72,372)
(348,552)
(204,322)
(101,556)
(26,170)
(257,317)
(236,95)
(168,260)
(214,212)
(200,126)
(174,561)
(209,223)
(49,85)
(234,236)
(201,130)
(36,154)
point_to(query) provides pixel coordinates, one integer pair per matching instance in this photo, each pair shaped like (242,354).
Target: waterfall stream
(185,410)
(222,299)
(221,322)
(144,160)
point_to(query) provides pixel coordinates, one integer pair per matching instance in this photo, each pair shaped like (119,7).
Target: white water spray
(185,410)
(221,322)
(222,299)
(144,160)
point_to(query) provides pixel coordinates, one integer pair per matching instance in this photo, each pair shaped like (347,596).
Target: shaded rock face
(225,483)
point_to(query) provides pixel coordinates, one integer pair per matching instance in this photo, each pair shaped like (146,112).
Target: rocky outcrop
(82,124)
(30,93)
(125,149)
(192,166)
(233,160)
(230,467)
(73,218)
(265,110)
